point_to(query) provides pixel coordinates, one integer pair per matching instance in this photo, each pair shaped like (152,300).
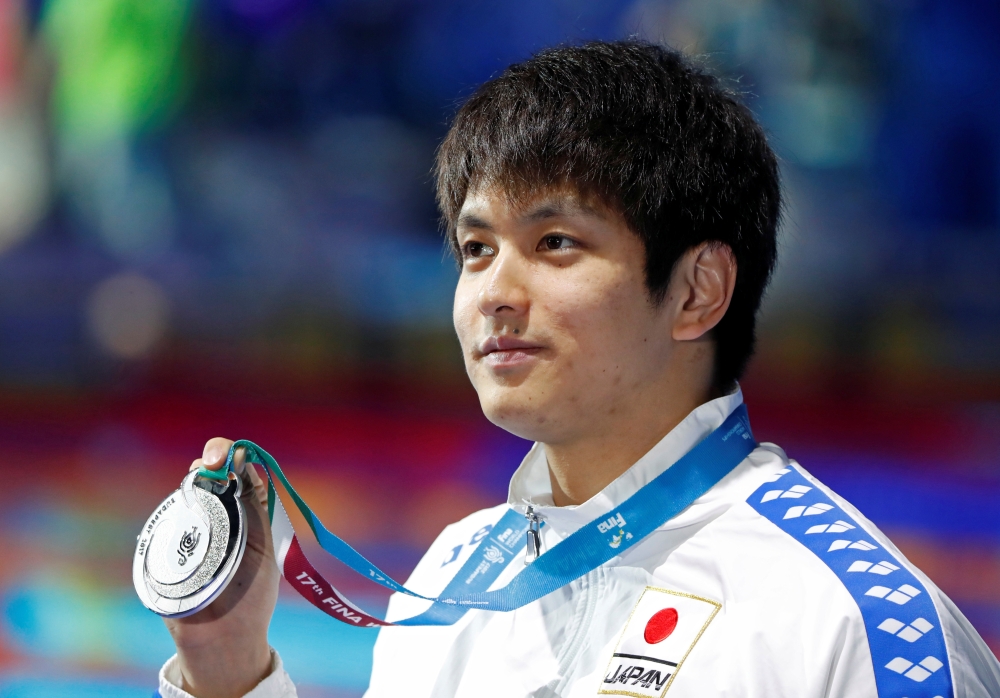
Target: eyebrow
(471,221)
(559,207)
(546,210)
(543,211)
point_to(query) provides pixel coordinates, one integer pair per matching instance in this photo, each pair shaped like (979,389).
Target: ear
(705,277)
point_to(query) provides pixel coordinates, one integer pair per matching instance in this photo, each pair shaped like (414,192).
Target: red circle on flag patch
(660,626)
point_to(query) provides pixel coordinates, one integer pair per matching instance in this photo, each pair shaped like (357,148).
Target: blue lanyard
(589,547)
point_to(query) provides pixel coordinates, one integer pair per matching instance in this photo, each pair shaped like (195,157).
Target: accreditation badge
(190,547)
(662,630)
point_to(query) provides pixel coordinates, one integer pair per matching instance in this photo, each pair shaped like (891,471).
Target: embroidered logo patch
(659,635)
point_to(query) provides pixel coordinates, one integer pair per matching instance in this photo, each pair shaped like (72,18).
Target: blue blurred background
(217,218)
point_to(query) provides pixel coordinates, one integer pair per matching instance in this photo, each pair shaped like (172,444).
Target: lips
(504,343)
(507,351)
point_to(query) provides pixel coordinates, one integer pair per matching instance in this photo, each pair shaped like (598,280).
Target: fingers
(259,486)
(216,450)
(214,457)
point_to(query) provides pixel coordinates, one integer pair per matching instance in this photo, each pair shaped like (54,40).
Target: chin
(517,411)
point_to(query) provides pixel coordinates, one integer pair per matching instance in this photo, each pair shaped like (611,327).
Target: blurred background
(216,218)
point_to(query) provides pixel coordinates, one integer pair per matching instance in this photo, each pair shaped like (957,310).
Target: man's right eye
(475,250)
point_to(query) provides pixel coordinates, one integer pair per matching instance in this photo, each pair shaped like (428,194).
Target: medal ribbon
(589,547)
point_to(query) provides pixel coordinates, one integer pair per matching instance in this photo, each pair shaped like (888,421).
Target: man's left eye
(557,242)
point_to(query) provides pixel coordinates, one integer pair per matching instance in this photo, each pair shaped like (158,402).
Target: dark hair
(654,138)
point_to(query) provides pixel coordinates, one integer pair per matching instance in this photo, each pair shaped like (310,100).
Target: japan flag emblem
(659,635)
(660,626)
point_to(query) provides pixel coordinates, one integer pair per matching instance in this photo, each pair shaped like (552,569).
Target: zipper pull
(534,540)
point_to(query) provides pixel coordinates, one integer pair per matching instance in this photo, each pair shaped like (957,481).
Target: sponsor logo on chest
(662,630)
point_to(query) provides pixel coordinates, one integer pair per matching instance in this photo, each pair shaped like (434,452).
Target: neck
(581,468)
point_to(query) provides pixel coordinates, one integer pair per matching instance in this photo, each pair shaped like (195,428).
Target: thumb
(214,455)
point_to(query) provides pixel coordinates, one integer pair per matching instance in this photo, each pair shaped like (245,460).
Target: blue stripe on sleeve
(904,631)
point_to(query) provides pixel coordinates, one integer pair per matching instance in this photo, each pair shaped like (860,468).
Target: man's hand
(223,649)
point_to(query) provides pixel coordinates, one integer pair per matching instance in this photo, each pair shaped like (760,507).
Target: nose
(503,294)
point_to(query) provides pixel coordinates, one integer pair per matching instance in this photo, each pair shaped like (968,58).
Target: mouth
(507,352)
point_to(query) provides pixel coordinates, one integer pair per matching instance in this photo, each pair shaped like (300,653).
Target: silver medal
(190,547)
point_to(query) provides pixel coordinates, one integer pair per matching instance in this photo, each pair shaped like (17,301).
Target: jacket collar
(530,484)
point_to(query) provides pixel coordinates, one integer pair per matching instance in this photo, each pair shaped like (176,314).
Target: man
(614,213)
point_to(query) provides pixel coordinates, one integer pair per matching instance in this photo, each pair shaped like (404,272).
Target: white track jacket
(768,586)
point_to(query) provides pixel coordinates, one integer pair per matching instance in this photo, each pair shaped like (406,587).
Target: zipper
(534,548)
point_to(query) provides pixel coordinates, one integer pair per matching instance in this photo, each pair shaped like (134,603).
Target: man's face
(556,325)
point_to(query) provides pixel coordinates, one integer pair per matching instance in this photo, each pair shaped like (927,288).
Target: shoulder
(915,635)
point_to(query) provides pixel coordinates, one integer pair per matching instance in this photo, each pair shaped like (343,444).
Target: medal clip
(534,548)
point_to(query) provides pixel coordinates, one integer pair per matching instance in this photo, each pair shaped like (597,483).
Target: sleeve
(278,684)
(974,667)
